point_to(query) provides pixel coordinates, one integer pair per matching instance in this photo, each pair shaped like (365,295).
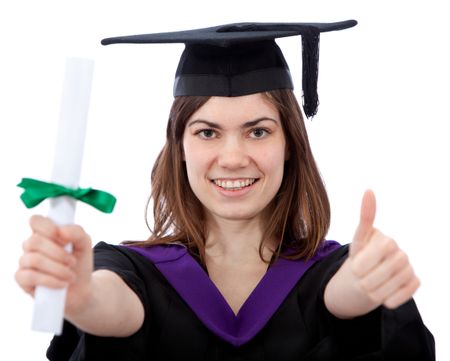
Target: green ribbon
(36,191)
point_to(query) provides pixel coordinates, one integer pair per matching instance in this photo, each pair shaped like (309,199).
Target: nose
(233,155)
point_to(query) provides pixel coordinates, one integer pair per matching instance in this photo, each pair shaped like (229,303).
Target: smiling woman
(216,140)
(237,265)
(217,165)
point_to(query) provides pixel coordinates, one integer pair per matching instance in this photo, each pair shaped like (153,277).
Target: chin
(233,215)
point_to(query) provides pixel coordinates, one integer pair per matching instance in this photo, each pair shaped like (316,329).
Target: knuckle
(415,284)
(403,257)
(32,278)
(31,243)
(75,229)
(30,260)
(44,225)
(75,232)
(24,279)
(26,245)
(384,244)
(390,245)
(366,284)
(390,303)
(83,234)
(375,296)
(38,222)
(409,272)
(23,261)
(35,260)
(18,276)
(356,269)
(34,219)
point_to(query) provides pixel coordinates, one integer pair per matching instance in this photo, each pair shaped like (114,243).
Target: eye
(258,133)
(206,133)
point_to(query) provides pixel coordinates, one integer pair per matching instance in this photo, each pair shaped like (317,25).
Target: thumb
(80,241)
(365,227)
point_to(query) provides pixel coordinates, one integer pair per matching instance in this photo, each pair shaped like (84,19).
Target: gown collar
(193,284)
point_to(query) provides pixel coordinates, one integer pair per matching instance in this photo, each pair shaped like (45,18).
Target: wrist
(344,297)
(78,306)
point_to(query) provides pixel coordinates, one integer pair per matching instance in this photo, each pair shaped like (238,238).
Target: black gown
(277,322)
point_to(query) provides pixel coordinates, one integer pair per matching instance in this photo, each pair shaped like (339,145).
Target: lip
(234,193)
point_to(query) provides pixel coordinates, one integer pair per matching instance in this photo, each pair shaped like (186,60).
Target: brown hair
(301,210)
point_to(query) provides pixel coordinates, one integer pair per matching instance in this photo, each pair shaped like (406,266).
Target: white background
(382,123)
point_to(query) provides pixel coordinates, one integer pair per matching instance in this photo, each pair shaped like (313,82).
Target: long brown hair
(300,212)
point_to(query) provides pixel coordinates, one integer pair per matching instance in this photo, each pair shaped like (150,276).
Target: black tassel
(310,56)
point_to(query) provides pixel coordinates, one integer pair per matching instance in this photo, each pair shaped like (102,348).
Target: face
(235,149)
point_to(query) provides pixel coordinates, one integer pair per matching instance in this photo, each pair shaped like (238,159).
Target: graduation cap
(242,58)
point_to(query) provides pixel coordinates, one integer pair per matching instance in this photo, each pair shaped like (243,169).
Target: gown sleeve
(383,334)
(75,345)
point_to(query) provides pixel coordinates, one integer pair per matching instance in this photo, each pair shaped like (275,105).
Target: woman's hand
(376,273)
(45,262)
(99,302)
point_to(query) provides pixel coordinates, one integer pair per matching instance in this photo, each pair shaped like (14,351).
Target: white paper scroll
(48,312)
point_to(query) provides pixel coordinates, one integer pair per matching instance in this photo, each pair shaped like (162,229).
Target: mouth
(234,184)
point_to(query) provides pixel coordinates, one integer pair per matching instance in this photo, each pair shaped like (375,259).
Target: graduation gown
(284,318)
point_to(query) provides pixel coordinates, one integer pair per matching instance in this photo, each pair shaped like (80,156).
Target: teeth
(234,184)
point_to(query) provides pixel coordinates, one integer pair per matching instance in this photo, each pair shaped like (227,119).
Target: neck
(235,240)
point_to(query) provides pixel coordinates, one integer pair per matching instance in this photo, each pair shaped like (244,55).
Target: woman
(237,266)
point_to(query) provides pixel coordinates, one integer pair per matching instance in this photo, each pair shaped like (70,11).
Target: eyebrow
(248,124)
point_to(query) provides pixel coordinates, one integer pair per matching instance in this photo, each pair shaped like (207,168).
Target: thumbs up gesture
(377,272)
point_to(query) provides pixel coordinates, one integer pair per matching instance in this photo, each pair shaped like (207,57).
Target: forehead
(234,110)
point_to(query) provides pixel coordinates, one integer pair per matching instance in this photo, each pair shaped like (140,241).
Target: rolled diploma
(48,310)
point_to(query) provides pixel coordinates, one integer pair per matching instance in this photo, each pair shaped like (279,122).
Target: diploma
(48,310)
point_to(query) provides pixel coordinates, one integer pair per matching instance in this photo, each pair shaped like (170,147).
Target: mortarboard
(242,58)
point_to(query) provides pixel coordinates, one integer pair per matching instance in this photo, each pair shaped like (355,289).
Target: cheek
(196,160)
(189,154)
(272,160)
(275,162)
(273,169)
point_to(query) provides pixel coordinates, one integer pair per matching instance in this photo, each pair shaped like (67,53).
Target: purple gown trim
(193,284)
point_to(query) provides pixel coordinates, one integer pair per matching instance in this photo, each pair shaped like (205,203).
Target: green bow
(36,191)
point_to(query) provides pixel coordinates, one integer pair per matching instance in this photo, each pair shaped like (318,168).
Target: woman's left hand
(377,272)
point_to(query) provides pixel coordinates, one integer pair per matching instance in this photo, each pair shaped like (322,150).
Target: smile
(234,184)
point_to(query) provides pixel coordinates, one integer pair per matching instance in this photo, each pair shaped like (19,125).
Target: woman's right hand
(45,262)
